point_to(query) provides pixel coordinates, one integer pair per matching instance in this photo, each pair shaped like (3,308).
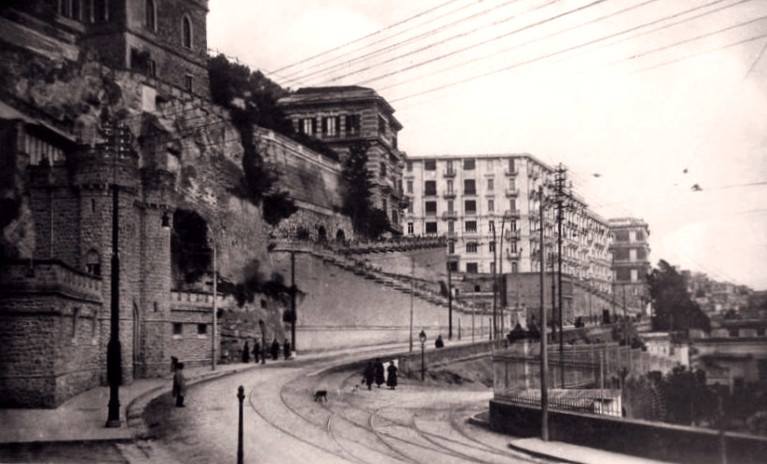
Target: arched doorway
(340,236)
(322,235)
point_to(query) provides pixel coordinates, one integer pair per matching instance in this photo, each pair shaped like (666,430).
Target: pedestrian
(174,368)
(246,353)
(179,385)
(439,343)
(275,349)
(256,350)
(368,375)
(391,380)
(379,373)
(286,349)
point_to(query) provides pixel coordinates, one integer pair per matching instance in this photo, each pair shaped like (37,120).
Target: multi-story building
(159,38)
(630,260)
(345,116)
(468,198)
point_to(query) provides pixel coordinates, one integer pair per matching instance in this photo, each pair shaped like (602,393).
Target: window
(513,204)
(100,11)
(639,236)
(490,185)
(409,185)
(621,236)
(152,68)
(492,268)
(450,206)
(471,247)
(178,329)
(470,226)
(514,267)
(470,206)
(451,247)
(471,267)
(511,165)
(453,266)
(450,186)
(431,227)
(70,9)
(491,246)
(490,205)
(513,246)
(202,329)
(733,332)
(308,126)
(430,187)
(93,263)
(430,165)
(409,165)
(410,228)
(431,208)
(352,124)
(469,187)
(186,32)
(490,226)
(469,164)
(622,275)
(330,126)
(382,171)
(410,206)
(621,254)
(188,82)
(263,303)
(762,368)
(150,15)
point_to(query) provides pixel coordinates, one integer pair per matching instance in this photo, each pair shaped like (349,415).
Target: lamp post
(422,338)
(542,315)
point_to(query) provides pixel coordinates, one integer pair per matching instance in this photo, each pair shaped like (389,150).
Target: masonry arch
(322,234)
(340,236)
(93,262)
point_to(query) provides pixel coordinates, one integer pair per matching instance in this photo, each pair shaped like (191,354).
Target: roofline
(480,156)
(376,97)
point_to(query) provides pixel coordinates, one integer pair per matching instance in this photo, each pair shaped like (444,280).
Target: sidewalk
(82,417)
(573,453)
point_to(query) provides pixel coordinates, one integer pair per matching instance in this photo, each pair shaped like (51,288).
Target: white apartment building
(465,198)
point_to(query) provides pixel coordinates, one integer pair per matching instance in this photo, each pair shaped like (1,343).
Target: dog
(321,395)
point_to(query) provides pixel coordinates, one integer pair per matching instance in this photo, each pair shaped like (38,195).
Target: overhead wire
(388,48)
(372,34)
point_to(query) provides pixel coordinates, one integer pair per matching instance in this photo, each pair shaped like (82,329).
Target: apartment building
(468,198)
(347,115)
(630,260)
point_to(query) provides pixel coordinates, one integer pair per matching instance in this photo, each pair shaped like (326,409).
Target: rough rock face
(190,138)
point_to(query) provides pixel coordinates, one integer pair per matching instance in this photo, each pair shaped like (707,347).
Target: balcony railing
(512,213)
(450,215)
(513,254)
(470,192)
(450,172)
(449,194)
(430,193)
(511,171)
(513,234)
(512,192)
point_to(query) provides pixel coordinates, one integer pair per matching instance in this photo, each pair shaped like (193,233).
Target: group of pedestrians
(260,353)
(375,372)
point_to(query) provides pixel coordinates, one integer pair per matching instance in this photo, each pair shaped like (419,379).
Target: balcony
(450,172)
(511,171)
(513,254)
(470,192)
(472,212)
(449,194)
(512,192)
(450,215)
(430,193)
(512,213)
(513,235)
(451,235)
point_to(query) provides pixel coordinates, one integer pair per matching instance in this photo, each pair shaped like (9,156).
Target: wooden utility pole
(544,348)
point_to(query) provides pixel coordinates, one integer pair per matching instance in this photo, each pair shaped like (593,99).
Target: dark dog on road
(321,395)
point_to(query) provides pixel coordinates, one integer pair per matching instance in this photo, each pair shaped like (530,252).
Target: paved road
(412,424)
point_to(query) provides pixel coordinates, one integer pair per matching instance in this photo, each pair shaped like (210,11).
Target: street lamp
(422,338)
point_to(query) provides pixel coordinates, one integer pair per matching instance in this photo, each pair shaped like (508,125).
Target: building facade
(343,117)
(630,260)
(469,198)
(162,39)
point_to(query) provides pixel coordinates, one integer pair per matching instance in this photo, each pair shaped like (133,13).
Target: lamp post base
(114,424)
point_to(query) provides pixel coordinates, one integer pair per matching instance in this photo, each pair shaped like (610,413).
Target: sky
(640,99)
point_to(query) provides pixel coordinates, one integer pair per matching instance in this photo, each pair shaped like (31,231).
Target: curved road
(412,424)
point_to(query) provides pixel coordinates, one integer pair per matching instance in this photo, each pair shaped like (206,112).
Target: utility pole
(215,309)
(559,197)
(450,303)
(544,354)
(117,145)
(412,290)
(494,329)
(293,315)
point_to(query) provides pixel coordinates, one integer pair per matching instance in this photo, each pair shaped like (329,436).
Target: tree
(357,184)
(674,310)
(378,223)
(687,398)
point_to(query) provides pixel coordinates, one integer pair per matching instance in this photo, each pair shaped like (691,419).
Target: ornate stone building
(344,116)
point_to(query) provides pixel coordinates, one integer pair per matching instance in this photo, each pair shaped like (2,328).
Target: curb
(134,412)
(540,455)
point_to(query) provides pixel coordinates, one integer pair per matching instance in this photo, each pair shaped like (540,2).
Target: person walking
(286,349)
(391,380)
(439,343)
(246,353)
(256,350)
(179,385)
(275,350)
(368,375)
(379,373)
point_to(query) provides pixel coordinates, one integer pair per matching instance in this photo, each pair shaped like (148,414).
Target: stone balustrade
(49,276)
